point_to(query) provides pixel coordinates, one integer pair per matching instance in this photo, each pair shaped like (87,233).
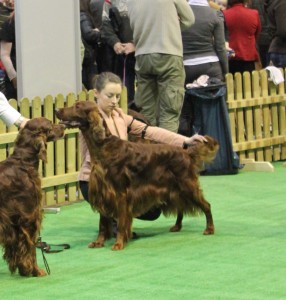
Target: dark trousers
(125,69)
(278,59)
(150,215)
(240,66)
(10,91)
(212,69)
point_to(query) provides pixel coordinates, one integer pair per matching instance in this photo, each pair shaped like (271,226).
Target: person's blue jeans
(278,59)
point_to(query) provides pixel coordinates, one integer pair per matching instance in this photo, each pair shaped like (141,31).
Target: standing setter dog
(21,196)
(127,179)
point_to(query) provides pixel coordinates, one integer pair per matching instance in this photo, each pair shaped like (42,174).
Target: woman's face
(108,98)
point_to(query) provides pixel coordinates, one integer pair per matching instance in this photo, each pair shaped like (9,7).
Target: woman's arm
(185,14)
(219,43)
(7,62)
(89,34)
(161,135)
(9,115)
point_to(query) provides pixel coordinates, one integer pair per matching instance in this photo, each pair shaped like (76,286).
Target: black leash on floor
(46,248)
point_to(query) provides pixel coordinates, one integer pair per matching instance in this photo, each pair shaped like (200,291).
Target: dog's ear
(107,131)
(42,148)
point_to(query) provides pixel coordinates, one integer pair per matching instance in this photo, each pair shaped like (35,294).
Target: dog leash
(124,70)
(46,248)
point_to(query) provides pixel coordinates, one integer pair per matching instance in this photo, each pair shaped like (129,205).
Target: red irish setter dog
(127,179)
(21,196)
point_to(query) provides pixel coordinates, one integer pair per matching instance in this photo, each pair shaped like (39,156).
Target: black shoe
(135,236)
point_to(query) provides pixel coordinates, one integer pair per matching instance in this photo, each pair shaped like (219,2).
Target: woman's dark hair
(85,6)
(102,79)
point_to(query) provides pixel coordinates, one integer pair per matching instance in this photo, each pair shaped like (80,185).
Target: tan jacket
(118,127)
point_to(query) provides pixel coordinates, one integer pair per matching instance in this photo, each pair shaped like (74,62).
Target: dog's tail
(203,152)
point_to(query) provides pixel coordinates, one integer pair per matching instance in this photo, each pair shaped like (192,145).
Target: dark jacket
(264,38)
(89,36)
(276,10)
(206,36)
(116,28)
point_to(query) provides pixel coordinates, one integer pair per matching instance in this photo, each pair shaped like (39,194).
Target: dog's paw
(96,244)
(209,230)
(39,273)
(176,228)
(117,246)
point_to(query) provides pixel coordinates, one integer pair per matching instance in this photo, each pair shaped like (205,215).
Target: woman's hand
(195,138)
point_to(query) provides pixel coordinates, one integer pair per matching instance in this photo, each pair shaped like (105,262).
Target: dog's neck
(97,143)
(27,157)
(93,141)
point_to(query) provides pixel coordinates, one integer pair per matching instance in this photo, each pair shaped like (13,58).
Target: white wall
(48,47)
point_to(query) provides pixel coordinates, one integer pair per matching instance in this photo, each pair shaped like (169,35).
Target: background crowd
(157,48)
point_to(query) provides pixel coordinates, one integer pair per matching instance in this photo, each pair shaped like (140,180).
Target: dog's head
(203,152)
(210,149)
(37,132)
(78,115)
(83,115)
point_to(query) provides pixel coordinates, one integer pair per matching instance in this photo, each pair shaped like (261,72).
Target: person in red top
(243,25)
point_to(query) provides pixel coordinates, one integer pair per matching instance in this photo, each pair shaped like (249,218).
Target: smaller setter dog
(21,196)
(128,179)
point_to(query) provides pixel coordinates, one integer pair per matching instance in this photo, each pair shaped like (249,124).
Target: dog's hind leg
(29,266)
(178,225)
(27,260)
(105,231)
(206,208)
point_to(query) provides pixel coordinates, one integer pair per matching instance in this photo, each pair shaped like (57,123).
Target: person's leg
(11,92)
(83,185)
(263,52)
(130,76)
(213,70)
(192,73)
(278,60)
(170,81)
(146,92)
(151,215)
(185,117)
(240,66)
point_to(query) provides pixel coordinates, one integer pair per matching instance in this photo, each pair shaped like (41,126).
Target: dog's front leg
(105,229)
(123,230)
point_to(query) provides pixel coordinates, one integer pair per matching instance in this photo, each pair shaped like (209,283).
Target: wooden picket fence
(59,174)
(257,110)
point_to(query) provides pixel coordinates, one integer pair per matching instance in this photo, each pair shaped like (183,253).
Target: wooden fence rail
(257,111)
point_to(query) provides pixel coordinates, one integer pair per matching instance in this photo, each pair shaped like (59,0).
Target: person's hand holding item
(128,48)
(118,48)
(230,51)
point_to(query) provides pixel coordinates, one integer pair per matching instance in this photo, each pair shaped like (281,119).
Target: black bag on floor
(209,116)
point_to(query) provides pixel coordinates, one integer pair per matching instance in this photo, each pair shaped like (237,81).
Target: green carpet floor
(245,259)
